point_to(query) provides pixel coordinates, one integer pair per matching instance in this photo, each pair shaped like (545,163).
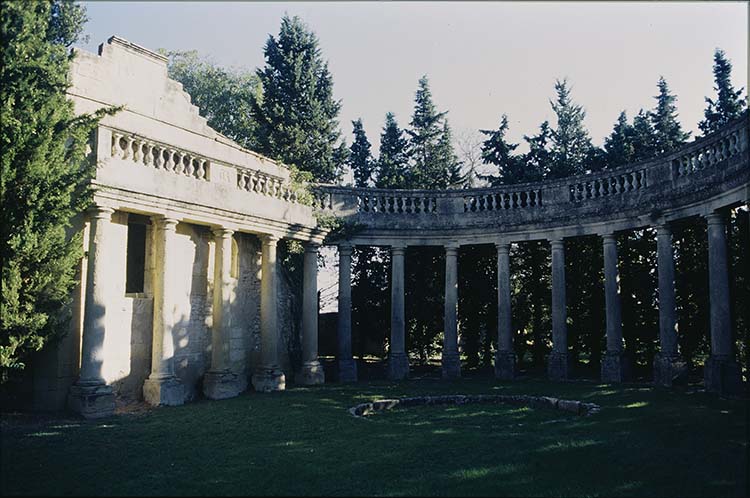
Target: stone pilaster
(613,365)
(347,365)
(721,372)
(268,376)
(162,387)
(311,372)
(90,395)
(668,366)
(220,382)
(558,363)
(451,362)
(505,357)
(398,361)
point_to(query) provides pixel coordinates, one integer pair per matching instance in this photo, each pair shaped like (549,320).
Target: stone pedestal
(398,366)
(223,385)
(451,365)
(558,366)
(168,391)
(269,380)
(505,365)
(95,401)
(669,370)
(347,370)
(614,367)
(721,374)
(311,374)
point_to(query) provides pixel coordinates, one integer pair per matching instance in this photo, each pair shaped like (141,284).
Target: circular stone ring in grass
(575,407)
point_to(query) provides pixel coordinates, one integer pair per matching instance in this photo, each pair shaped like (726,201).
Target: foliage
(224,96)
(45,175)
(360,158)
(667,130)
(570,141)
(297,117)
(392,163)
(729,103)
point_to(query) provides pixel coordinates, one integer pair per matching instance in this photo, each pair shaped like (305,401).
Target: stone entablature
(708,173)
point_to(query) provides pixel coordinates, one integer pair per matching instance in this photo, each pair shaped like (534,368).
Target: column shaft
(347,365)
(558,363)
(451,362)
(505,358)
(612,363)
(312,372)
(398,362)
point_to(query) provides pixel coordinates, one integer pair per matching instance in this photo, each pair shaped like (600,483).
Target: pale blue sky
(483,58)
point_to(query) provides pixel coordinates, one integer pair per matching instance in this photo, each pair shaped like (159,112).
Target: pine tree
(729,103)
(570,140)
(45,174)
(539,157)
(392,164)
(499,152)
(450,161)
(644,137)
(297,116)
(668,131)
(360,159)
(619,144)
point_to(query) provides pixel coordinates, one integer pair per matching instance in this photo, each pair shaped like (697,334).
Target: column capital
(716,218)
(609,238)
(100,212)
(222,232)
(558,243)
(312,247)
(502,247)
(270,239)
(663,228)
(451,247)
(345,249)
(165,222)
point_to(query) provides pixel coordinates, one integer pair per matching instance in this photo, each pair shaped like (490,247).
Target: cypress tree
(729,103)
(360,159)
(392,163)
(297,116)
(45,175)
(668,131)
(570,140)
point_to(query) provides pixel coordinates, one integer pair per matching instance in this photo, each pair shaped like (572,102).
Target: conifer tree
(499,152)
(619,144)
(45,174)
(392,163)
(570,140)
(451,163)
(539,156)
(297,116)
(360,158)
(729,103)
(644,137)
(668,131)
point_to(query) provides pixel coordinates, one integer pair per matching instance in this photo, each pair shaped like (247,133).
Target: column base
(558,366)
(614,367)
(721,374)
(223,384)
(267,380)
(451,363)
(347,370)
(669,370)
(92,401)
(505,365)
(167,391)
(398,366)
(311,374)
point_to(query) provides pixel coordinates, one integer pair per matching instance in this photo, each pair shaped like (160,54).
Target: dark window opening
(136,262)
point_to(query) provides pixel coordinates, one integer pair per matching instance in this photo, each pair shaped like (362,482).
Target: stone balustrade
(709,152)
(141,150)
(621,183)
(479,201)
(265,184)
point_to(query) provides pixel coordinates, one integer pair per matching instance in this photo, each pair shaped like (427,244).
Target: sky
(483,59)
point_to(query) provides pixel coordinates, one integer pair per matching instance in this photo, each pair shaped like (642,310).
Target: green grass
(303,441)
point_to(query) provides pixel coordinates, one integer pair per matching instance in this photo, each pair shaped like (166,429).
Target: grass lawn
(303,441)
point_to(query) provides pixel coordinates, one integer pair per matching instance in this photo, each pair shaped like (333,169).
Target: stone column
(721,372)
(268,376)
(558,363)
(667,364)
(90,395)
(346,363)
(451,361)
(613,364)
(162,387)
(398,361)
(312,371)
(220,382)
(505,357)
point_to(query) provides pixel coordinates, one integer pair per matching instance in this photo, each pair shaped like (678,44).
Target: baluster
(242,180)
(190,166)
(116,145)
(137,152)
(128,152)
(178,166)
(149,158)
(202,172)
(170,160)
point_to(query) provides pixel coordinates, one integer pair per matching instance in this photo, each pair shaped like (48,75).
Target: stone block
(311,374)
(721,374)
(398,366)
(223,385)
(164,392)
(614,367)
(97,401)
(347,370)
(267,380)
(451,364)
(669,370)
(505,365)
(558,366)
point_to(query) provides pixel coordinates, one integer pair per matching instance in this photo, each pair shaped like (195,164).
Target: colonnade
(721,370)
(92,397)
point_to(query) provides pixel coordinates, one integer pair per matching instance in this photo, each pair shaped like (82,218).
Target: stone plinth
(311,374)
(505,365)
(347,370)
(269,380)
(669,370)
(558,366)
(223,385)
(168,391)
(721,374)
(96,401)
(451,365)
(398,366)
(614,367)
